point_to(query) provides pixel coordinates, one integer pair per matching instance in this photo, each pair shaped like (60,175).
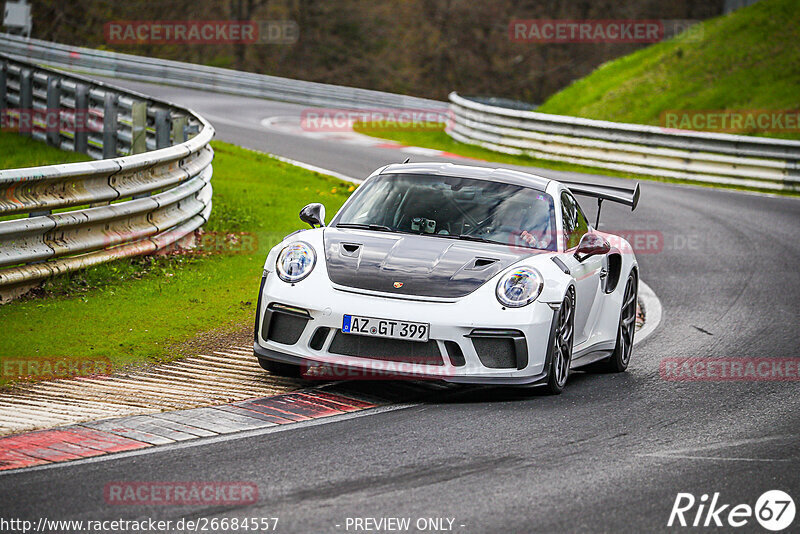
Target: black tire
(285,370)
(621,357)
(561,349)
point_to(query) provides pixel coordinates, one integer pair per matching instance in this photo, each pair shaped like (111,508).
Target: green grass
(138,311)
(747,60)
(17,151)
(437,139)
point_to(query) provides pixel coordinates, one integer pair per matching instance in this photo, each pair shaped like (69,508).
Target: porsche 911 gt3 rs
(457,273)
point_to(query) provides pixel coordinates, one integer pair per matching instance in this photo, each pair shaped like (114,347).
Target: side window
(575,223)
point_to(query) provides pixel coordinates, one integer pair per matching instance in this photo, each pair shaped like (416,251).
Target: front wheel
(561,350)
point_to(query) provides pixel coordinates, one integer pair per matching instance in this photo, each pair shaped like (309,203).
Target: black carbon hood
(421,265)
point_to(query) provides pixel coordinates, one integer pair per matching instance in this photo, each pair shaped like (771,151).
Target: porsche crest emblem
(398,285)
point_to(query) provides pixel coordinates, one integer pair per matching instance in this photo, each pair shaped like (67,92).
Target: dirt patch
(214,340)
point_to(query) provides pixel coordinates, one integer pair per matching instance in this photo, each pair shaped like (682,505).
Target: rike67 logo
(774,510)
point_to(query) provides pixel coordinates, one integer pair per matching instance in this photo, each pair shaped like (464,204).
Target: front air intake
(499,348)
(284,324)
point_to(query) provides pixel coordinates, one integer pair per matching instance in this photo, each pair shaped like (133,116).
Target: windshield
(457,208)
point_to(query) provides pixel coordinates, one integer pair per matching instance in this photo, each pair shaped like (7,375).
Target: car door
(586,273)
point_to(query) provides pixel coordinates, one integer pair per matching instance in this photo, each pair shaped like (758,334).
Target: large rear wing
(622,195)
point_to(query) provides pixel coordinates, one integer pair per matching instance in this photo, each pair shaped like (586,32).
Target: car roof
(507,176)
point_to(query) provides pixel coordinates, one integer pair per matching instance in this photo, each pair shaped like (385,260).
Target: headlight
(519,287)
(295,262)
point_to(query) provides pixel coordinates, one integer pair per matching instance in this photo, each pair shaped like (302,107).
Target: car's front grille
(396,350)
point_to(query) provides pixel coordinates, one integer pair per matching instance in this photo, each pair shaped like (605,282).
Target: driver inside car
(525,224)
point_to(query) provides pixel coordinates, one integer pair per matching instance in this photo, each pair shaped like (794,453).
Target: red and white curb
(125,434)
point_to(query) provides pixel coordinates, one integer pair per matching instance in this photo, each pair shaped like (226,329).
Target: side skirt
(594,353)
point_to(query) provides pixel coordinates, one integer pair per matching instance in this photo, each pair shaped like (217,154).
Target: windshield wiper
(376,227)
(466,237)
(470,237)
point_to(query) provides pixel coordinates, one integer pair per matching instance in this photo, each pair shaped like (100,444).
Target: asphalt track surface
(610,454)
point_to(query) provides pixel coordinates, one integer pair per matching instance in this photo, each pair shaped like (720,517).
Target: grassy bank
(747,60)
(136,311)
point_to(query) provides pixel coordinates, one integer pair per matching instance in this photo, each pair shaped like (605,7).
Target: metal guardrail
(151,189)
(209,78)
(759,162)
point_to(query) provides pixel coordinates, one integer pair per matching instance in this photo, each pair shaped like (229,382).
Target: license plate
(370,326)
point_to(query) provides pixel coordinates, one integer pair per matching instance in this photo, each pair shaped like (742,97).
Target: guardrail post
(110,126)
(139,133)
(191,130)
(81,118)
(3,89)
(162,128)
(179,130)
(25,102)
(52,115)
(138,127)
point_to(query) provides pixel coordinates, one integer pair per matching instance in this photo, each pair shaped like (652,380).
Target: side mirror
(591,245)
(313,214)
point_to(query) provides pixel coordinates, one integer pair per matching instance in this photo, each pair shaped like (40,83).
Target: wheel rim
(562,351)
(627,321)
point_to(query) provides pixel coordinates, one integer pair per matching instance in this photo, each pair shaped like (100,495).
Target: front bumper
(473,339)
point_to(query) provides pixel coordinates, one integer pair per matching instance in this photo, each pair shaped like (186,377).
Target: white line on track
(692,453)
(313,168)
(729,444)
(713,458)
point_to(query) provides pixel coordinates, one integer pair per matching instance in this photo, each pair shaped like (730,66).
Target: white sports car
(457,273)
